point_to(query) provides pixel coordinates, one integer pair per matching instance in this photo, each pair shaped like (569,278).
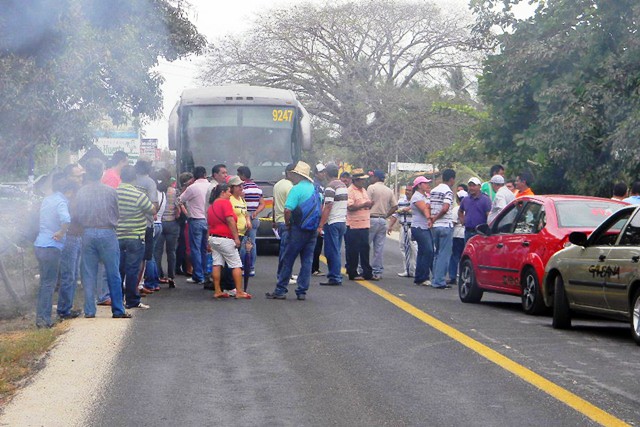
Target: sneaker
(425,283)
(404,274)
(294,277)
(317,273)
(293,281)
(375,277)
(190,280)
(330,283)
(273,295)
(72,315)
(231,293)
(252,273)
(301,297)
(141,306)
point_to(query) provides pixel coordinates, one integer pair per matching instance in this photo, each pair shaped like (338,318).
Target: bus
(240,125)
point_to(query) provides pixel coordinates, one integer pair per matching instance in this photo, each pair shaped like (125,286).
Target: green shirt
(487,189)
(133,205)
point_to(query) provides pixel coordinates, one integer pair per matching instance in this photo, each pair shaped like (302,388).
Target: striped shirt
(440,196)
(336,193)
(403,214)
(252,195)
(134,206)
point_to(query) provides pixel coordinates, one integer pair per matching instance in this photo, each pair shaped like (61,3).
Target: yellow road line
(563,395)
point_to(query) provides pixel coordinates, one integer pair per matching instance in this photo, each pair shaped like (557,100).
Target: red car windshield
(584,213)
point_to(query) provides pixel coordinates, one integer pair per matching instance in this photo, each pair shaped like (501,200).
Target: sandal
(243,295)
(221,296)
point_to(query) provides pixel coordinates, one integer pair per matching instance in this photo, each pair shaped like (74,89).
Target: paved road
(349,356)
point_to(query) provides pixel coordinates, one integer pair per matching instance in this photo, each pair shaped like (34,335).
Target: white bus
(259,127)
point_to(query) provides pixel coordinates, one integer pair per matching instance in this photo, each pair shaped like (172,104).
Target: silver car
(599,274)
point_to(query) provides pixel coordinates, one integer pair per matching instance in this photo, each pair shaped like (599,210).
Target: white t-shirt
(504,196)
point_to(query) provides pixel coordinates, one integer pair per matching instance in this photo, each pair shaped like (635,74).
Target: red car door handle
(525,244)
(499,245)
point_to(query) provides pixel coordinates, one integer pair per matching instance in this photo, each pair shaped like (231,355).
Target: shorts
(224,250)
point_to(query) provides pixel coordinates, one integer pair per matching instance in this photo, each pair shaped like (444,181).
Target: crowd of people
(112,228)
(115,226)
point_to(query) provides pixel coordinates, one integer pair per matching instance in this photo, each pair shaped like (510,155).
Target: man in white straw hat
(302,212)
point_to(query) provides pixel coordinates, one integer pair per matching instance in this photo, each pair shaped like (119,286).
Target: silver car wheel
(529,291)
(465,281)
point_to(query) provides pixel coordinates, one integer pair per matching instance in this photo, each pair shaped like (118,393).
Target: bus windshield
(256,136)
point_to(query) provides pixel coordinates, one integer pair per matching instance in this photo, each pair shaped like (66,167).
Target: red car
(509,255)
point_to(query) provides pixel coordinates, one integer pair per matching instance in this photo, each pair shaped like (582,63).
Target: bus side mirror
(305,128)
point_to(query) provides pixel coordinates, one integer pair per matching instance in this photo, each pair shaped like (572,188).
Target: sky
(215,19)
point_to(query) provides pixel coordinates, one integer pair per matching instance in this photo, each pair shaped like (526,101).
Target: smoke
(28,27)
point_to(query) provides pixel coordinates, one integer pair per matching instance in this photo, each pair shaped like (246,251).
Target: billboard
(125,140)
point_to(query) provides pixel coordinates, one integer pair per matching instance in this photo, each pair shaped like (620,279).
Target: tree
(368,71)
(67,63)
(562,92)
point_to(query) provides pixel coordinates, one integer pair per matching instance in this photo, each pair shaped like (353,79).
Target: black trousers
(357,252)
(316,254)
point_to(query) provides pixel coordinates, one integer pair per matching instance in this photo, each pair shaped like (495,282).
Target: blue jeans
(443,241)
(251,234)
(424,259)
(103,284)
(456,254)
(469,233)
(167,241)
(198,234)
(283,231)
(301,242)
(68,274)
(131,256)
(101,244)
(333,235)
(49,263)
(377,237)
(152,271)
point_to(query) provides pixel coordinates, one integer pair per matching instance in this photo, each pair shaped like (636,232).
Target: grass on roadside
(19,353)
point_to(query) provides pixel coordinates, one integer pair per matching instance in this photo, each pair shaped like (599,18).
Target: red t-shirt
(111,177)
(217,218)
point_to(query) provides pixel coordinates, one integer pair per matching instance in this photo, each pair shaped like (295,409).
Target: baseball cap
(497,179)
(419,180)
(462,194)
(377,173)
(475,181)
(320,167)
(234,180)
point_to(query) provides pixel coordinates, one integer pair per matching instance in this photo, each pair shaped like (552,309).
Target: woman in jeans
(420,229)
(224,241)
(167,239)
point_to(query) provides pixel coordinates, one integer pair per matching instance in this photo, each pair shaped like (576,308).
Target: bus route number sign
(282,115)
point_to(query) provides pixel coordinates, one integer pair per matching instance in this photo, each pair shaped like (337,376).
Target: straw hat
(358,173)
(303,169)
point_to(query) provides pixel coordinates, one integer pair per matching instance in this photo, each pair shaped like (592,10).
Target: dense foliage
(563,91)
(66,63)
